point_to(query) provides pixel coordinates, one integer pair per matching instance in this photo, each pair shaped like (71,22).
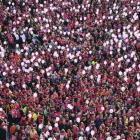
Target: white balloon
(7,84)
(50,127)
(92,132)
(133,66)
(57,119)
(138,89)
(87,129)
(83,72)
(38,77)
(13,71)
(30,115)
(56,124)
(131,118)
(91,76)
(125,56)
(118,137)
(66,70)
(125,78)
(90,52)
(4,73)
(123,88)
(135,59)
(105,62)
(112,64)
(42,71)
(71,107)
(120,73)
(68,105)
(48,74)
(13,101)
(12,83)
(5,65)
(39,59)
(37,86)
(67,86)
(40,126)
(11,67)
(35,95)
(97,66)
(75,60)
(78,119)
(80,57)
(108,138)
(102,108)
(24,86)
(87,101)
(80,138)
(137,83)
(111,110)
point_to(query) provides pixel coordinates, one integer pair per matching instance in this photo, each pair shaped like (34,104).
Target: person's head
(122,136)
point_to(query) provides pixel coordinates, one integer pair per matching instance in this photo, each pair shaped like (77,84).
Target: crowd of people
(70,69)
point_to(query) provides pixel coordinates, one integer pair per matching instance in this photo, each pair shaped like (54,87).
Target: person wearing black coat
(2,134)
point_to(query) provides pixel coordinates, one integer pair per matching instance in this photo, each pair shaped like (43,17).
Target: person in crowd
(70,69)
